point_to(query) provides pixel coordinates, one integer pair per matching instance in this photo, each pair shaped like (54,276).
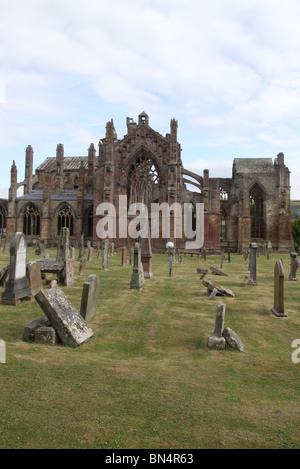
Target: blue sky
(228,71)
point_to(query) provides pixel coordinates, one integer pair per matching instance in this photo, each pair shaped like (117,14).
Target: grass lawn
(146,379)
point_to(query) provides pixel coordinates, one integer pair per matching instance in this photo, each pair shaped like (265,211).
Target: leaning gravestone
(2,351)
(82,265)
(90,296)
(278,308)
(34,277)
(68,272)
(63,316)
(17,285)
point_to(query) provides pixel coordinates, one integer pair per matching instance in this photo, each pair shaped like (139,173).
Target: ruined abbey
(252,205)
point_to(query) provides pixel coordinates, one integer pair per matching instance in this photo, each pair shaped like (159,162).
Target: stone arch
(31,216)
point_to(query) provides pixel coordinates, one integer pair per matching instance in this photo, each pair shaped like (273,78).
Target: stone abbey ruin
(251,206)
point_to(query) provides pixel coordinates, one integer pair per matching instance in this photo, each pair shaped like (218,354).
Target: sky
(227,71)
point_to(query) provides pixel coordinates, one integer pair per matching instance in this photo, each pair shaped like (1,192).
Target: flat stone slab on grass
(221,291)
(63,316)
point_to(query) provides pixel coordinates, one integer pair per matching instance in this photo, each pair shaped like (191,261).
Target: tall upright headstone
(63,250)
(278,308)
(17,285)
(252,264)
(124,256)
(294,266)
(146,255)
(137,277)
(105,255)
(2,351)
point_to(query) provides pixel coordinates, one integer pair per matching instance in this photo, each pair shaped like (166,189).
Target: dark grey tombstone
(278,308)
(252,264)
(17,285)
(90,296)
(294,266)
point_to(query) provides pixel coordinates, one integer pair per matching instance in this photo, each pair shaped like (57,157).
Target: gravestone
(202,272)
(146,255)
(124,255)
(252,264)
(131,254)
(81,247)
(34,277)
(63,249)
(278,308)
(216,271)
(72,253)
(17,285)
(68,272)
(63,316)
(221,291)
(82,265)
(105,256)
(90,296)
(42,250)
(137,277)
(2,351)
(88,245)
(294,266)
(232,339)
(204,253)
(112,249)
(46,335)
(90,254)
(216,340)
(228,256)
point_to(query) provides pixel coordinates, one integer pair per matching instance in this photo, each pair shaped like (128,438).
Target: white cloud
(228,71)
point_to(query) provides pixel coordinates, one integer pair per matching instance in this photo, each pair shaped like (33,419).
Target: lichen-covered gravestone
(63,316)
(17,285)
(137,277)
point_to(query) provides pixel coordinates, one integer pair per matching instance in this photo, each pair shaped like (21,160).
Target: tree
(296,233)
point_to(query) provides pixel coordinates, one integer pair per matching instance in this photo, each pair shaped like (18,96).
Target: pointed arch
(65,218)
(257,210)
(31,220)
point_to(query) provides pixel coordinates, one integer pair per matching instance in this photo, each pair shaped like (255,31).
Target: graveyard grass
(146,379)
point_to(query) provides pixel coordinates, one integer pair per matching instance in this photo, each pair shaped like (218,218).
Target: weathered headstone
(202,272)
(232,339)
(34,277)
(221,291)
(42,250)
(82,265)
(2,351)
(105,256)
(216,339)
(294,266)
(278,308)
(112,249)
(131,255)
(81,247)
(90,296)
(46,335)
(146,255)
(63,316)
(90,254)
(72,253)
(68,272)
(213,294)
(124,256)
(137,277)
(17,285)
(216,271)
(88,245)
(63,250)
(252,264)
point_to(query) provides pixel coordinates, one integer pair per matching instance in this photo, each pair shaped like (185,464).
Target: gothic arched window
(142,181)
(31,221)
(257,212)
(65,219)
